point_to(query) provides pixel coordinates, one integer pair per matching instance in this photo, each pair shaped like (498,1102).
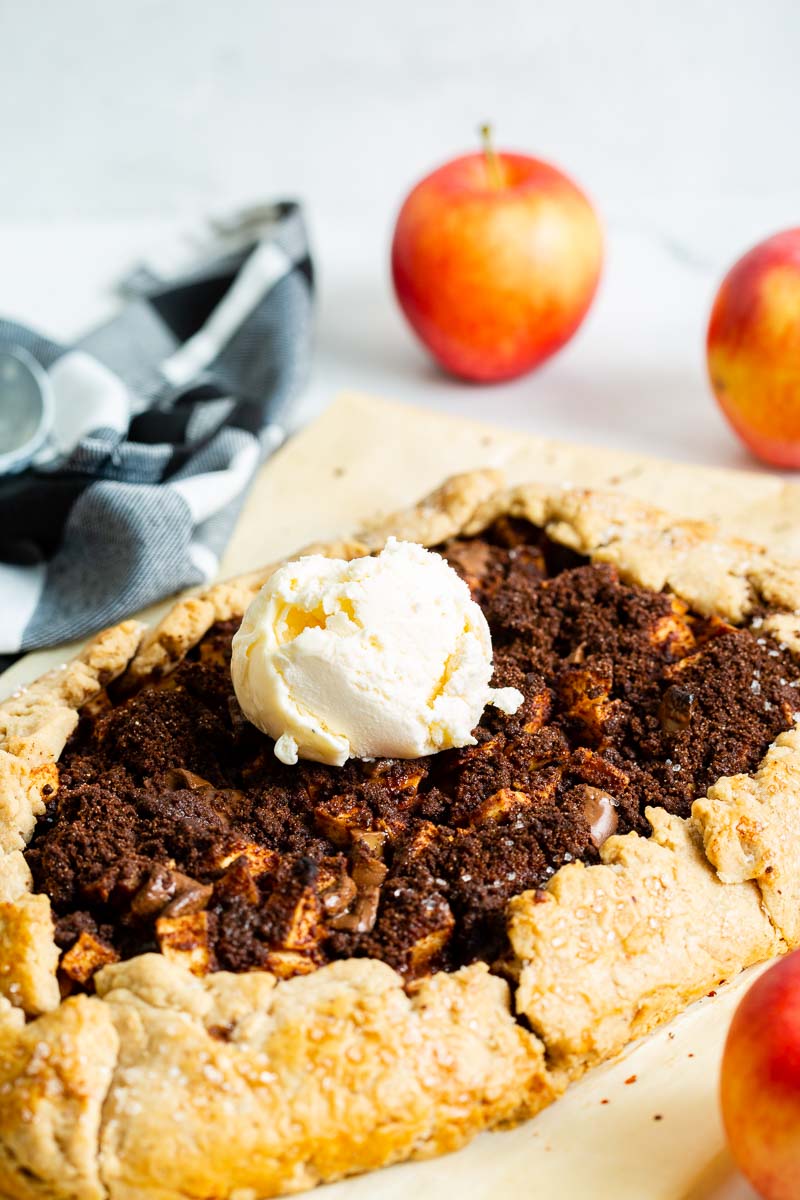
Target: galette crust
(28,954)
(750,831)
(54,1076)
(608,952)
(319,1076)
(166,1086)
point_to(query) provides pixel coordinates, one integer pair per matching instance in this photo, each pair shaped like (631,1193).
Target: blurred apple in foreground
(495,259)
(760,1083)
(754,349)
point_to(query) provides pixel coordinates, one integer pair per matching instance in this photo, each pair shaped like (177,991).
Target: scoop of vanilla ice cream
(384,657)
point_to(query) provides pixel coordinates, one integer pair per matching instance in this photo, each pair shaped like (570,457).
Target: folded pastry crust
(165,1085)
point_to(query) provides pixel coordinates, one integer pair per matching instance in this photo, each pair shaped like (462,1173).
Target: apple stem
(492,161)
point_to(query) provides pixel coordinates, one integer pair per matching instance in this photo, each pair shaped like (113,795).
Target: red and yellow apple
(760,1082)
(495,259)
(754,348)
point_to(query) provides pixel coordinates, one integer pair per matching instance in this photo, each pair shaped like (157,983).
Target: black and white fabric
(161,418)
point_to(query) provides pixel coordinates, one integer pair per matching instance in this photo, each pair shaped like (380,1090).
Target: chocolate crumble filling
(174,827)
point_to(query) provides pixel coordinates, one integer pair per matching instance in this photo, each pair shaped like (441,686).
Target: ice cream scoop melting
(382,657)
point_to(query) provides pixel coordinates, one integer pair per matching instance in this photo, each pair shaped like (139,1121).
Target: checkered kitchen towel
(161,418)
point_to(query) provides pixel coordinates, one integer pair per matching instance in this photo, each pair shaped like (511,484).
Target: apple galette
(224,975)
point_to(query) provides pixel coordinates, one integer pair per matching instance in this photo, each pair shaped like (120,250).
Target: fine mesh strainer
(26,409)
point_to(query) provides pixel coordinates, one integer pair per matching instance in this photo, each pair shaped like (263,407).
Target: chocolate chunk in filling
(175,828)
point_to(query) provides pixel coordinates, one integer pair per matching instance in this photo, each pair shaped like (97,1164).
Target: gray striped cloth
(161,418)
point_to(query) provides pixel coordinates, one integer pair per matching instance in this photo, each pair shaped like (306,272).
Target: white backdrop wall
(121,118)
(666,111)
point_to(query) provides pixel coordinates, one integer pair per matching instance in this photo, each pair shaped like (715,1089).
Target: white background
(680,119)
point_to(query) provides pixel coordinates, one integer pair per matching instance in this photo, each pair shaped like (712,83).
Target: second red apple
(760,1082)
